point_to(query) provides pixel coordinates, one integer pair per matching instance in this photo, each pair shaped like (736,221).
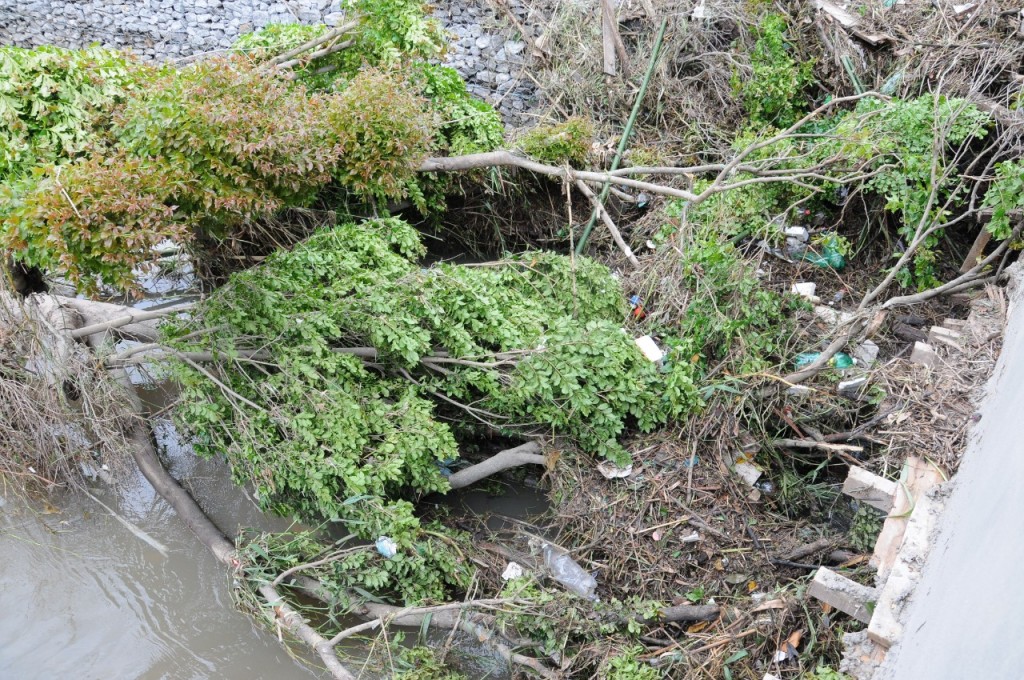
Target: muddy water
(82,597)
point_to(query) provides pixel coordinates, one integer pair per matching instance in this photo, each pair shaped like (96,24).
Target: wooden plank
(916,477)
(842,593)
(607,41)
(984,236)
(869,488)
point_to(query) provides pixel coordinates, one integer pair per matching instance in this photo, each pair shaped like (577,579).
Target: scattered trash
(938,334)
(829,257)
(766,487)
(637,305)
(748,473)
(692,461)
(610,470)
(866,353)
(796,240)
(805,289)
(650,348)
(851,388)
(386,547)
(799,390)
(799,233)
(840,360)
(512,570)
(833,317)
(566,571)
(787,650)
(692,538)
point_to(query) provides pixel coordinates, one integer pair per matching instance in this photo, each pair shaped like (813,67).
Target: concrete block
(869,488)
(842,593)
(924,354)
(885,627)
(939,334)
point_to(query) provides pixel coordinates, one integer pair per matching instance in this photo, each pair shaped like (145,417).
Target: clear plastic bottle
(571,575)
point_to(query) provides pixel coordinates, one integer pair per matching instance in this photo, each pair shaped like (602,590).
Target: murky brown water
(84,598)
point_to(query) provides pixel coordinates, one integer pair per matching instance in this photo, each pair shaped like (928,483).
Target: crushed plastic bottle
(841,360)
(571,575)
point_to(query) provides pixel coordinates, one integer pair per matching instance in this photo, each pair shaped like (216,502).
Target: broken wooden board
(869,488)
(916,477)
(945,336)
(842,593)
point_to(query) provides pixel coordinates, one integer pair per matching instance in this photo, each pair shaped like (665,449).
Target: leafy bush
(772,94)
(528,344)
(628,666)
(55,103)
(390,33)
(567,142)
(730,316)
(208,148)
(1006,194)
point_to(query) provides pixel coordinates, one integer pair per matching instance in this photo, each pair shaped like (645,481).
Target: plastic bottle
(571,575)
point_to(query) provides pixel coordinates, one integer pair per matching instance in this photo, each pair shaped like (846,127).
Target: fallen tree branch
(524,454)
(608,222)
(118,322)
(288,58)
(493,159)
(811,444)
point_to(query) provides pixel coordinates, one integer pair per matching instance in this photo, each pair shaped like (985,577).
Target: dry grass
(60,420)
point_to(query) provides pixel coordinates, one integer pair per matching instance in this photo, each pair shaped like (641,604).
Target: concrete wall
(482,49)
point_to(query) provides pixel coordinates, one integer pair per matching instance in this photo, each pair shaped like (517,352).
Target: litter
(650,348)
(386,547)
(610,470)
(566,571)
(512,570)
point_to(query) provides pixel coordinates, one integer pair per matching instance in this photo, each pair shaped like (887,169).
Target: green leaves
(771,94)
(532,344)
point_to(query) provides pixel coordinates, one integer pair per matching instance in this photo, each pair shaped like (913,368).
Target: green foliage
(532,343)
(1005,195)
(772,93)
(567,142)
(910,148)
(628,666)
(825,673)
(390,33)
(467,125)
(916,175)
(421,663)
(428,564)
(864,529)
(205,149)
(393,31)
(55,103)
(730,316)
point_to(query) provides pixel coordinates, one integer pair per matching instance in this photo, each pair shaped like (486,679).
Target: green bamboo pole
(625,133)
